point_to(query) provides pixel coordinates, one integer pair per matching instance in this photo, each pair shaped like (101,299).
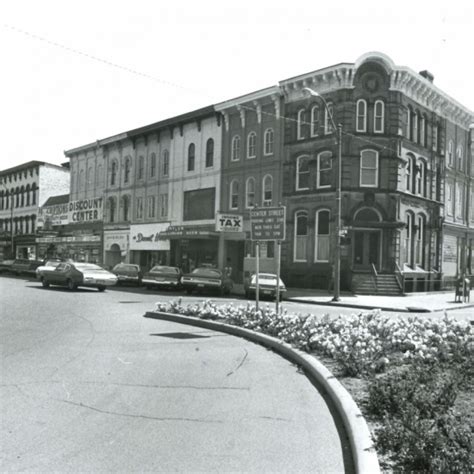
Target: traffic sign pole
(277,303)
(257,268)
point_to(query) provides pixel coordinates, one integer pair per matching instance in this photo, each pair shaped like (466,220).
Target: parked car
(6,266)
(267,286)
(25,266)
(74,274)
(128,273)
(48,266)
(161,276)
(204,278)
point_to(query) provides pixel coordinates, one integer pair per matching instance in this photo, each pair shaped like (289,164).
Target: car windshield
(206,272)
(161,269)
(87,266)
(128,268)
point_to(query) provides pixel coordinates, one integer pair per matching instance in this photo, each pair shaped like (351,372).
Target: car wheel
(71,285)
(45,283)
(101,288)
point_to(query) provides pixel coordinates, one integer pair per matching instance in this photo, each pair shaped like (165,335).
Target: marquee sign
(85,210)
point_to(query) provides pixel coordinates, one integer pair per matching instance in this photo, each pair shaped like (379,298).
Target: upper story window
(151,206)
(210,153)
(252,145)
(300,124)
(112,209)
(414,124)
(113,173)
(235,156)
(321,247)
(361,116)
(81,180)
(126,208)
(191,157)
(152,165)
(267,190)
(139,208)
(422,130)
(250,193)
(459,204)
(460,158)
(421,178)
(90,175)
(435,137)
(420,242)
(379,116)
(449,198)
(324,169)
(33,194)
(99,176)
(302,173)
(234,195)
(328,123)
(369,161)
(268,142)
(408,124)
(141,167)
(315,120)
(166,163)
(163,205)
(301,236)
(410,173)
(408,238)
(126,171)
(450,153)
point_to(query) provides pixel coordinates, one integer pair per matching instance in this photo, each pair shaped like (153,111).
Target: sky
(76,72)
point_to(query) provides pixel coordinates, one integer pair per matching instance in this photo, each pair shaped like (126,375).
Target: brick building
(23,189)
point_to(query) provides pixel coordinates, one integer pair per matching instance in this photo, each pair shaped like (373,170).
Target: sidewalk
(413,302)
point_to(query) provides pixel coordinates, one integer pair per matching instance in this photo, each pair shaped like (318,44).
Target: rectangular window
(151,206)
(163,205)
(166,164)
(324,170)
(369,168)
(139,208)
(199,204)
(449,199)
(459,200)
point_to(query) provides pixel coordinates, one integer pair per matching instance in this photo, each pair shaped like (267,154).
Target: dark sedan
(128,273)
(207,279)
(162,276)
(74,274)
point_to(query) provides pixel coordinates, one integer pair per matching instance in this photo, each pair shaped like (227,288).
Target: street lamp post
(337,253)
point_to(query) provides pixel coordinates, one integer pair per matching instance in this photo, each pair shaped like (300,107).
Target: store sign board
(71,238)
(179,231)
(120,238)
(86,210)
(147,237)
(57,214)
(268,223)
(229,223)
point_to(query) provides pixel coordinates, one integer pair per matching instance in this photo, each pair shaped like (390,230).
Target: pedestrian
(228,269)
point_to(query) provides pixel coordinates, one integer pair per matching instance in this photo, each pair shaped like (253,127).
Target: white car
(267,286)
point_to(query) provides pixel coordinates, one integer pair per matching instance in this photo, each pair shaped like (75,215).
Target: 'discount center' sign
(267,223)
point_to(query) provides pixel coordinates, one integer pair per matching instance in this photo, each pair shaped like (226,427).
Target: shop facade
(116,246)
(146,247)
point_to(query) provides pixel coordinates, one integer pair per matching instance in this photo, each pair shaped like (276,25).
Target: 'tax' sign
(229,223)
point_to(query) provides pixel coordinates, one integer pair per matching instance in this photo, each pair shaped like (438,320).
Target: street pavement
(90,385)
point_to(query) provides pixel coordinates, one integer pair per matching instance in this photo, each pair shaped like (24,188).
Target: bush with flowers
(414,367)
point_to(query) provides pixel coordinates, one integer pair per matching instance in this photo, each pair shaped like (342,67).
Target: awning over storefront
(189,232)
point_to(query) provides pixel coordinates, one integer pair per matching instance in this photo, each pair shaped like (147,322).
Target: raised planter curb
(362,446)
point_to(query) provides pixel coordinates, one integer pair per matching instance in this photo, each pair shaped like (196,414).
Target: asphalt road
(88,384)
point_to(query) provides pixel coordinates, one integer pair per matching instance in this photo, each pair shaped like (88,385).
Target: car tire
(45,283)
(101,288)
(71,285)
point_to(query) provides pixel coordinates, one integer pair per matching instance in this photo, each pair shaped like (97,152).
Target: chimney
(427,75)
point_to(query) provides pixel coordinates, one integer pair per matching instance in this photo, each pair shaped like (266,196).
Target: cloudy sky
(74,72)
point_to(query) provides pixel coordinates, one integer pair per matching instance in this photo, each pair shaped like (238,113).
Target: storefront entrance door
(367,249)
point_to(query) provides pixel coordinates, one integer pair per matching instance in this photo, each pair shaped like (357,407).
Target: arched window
(408,124)
(414,124)
(126,171)
(460,158)
(300,124)
(422,130)
(2,202)
(191,156)
(7,199)
(33,194)
(435,136)
(152,165)
(379,116)
(28,195)
(166,163)
(126,208)
(267,190)
(250,193)
(408,238)
(323,179)
(81,180)
(321,246)
(315,121)
(210,153)
(22,196)
(410,173)
(302,173)
(450,153)
(328,123)
(112,208)
(421,178)
(234,195)
(301,236)
(17,197)
(420,241)
(141,167)
(361,125)
(268,142)
(113,173)
(369,162)
(252,145)
(235,148)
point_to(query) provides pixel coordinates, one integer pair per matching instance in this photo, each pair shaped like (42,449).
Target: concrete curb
(363,451)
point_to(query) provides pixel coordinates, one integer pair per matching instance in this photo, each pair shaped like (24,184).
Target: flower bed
(413,370)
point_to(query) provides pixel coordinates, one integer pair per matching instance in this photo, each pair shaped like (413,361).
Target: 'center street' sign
(267,223)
